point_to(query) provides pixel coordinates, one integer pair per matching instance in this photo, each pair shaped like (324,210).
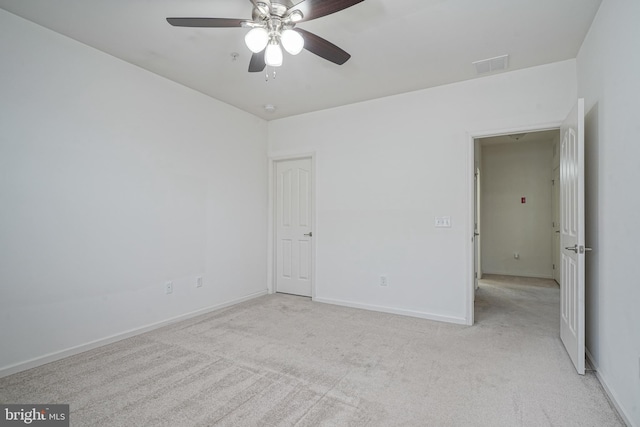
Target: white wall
(386,168)
(512,171)
(608,78)
(112,181)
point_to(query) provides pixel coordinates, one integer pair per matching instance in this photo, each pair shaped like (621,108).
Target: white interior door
(294,262)
(572,254)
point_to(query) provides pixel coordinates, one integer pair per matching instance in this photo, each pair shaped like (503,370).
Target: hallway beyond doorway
(516,302)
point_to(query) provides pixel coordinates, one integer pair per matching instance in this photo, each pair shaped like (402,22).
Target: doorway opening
(515,208)
(572,226)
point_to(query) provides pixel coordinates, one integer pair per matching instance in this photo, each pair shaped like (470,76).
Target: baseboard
(392,310)
(52,357)
(610,394)
(529,276)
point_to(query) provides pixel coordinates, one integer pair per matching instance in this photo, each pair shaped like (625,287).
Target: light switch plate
(443,221)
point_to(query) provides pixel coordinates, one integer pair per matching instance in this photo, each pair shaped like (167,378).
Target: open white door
(572,323)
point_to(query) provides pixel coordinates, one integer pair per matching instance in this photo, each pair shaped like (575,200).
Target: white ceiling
(396,46)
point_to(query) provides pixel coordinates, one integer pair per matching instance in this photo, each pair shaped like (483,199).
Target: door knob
(579,249)
(310,234)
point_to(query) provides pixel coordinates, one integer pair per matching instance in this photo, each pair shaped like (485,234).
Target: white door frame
(271,225)
(477,256)
(555,234)
(473,135)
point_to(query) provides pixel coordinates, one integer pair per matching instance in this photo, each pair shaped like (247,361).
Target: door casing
(477,238)
(555,231)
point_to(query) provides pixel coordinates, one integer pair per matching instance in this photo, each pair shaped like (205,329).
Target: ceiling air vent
(492,64)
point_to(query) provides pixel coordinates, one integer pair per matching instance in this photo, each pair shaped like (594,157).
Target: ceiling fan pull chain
(266,75)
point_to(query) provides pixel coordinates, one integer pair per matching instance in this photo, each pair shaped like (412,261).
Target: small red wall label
(523,200)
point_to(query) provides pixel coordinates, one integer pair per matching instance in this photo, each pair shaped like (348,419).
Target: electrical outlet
(199,282)
(168,288)
(383,280)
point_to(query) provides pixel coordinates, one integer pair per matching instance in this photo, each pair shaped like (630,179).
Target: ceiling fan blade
(312,9)
(206,22)
(257,63)
(323,48)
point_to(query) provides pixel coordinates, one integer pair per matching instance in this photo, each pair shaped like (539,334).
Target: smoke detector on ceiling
(517,137)
(498,63)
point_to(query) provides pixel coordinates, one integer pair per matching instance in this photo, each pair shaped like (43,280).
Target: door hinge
(554,266)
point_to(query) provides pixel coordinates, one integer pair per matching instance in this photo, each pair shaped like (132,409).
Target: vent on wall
(492,64)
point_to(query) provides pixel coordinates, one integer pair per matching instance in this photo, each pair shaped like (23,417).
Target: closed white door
(555,230)
(294,262)
(572,254)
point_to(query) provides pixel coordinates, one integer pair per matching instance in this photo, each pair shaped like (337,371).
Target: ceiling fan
(273,27)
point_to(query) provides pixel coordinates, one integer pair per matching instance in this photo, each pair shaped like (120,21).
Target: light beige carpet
(282,360)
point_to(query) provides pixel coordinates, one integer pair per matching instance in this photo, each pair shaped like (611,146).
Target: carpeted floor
(282,360)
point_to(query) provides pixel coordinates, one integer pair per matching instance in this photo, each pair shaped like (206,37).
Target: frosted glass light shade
(257,39)
(296,16)
(273,55)
(292,41)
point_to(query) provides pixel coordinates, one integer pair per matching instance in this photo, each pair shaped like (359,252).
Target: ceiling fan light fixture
(292,41)
(272,28)
(257,39)
(273,54)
